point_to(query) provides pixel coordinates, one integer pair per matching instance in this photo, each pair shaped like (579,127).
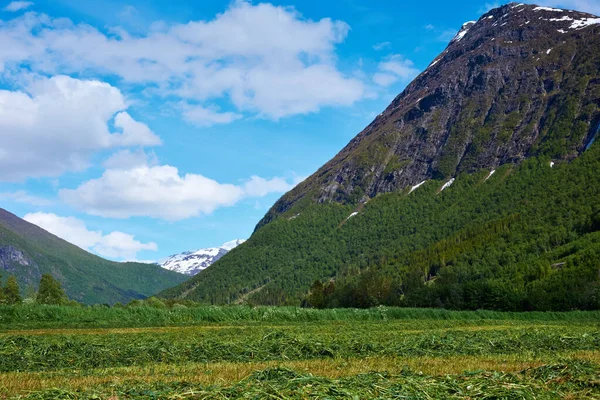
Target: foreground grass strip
(225,373)
(255,343)
(578,379)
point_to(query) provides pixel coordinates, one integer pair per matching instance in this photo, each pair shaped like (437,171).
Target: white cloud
(20,196)
(57,123)
(259,187)
(133,133)
(384,79)
(259,58)
(161,192)
(395,68)
(382,46)
(157,192)
(126,159)
(15,6)
(115,245)
(202,116)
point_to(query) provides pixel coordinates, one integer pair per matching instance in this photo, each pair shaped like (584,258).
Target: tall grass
(39,316)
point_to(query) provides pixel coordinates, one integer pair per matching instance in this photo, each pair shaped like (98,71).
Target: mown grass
(575,380)
(256,343)
(293,353)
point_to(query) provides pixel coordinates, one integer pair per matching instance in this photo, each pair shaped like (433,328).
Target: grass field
(288,353)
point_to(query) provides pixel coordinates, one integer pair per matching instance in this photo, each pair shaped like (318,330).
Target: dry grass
(227,373)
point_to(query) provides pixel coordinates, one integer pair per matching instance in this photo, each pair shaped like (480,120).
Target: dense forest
(526,237)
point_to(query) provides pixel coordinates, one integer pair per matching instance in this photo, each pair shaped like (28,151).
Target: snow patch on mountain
(463,31)
(192,262)
(548,9)
(412,189)
(447,184)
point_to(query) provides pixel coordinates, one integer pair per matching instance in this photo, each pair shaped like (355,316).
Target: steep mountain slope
(452,184)
(521,81)
(27,251)
(192,262)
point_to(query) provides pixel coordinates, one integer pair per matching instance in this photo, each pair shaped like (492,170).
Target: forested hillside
(28,252)
(525,237)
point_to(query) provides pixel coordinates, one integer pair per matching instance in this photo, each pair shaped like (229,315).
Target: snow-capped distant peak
(192,262)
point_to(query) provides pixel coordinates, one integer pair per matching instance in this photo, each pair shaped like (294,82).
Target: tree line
(49,291)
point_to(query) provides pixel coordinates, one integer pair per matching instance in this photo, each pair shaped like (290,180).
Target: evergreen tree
(50,291)
(316,298)
(12,292)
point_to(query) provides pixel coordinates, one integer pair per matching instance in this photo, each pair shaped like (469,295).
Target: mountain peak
(192,262)
(518,82)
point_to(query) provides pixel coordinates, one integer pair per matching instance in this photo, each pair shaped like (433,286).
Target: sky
(140,129)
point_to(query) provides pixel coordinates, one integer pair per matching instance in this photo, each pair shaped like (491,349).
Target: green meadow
(61,352)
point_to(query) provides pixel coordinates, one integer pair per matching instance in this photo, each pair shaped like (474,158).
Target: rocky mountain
(192,262)
(479,179)
(519,82)
(27,251)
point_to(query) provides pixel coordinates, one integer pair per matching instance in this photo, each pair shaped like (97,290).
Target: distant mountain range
(28,251)
(192,262)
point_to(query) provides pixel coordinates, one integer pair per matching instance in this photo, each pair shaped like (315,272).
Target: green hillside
(28,251)
(527,238)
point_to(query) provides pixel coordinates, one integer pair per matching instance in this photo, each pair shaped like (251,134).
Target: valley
(450,249)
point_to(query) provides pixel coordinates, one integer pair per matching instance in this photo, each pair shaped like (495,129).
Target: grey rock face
(13,260)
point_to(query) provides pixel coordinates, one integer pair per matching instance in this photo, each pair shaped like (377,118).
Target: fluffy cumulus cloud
(262,58)
(115,245)
(15,6)
(55,124)
(160,191)
(395,68)
(157,191)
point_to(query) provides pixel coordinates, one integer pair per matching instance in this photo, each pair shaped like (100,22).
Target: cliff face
(521,81)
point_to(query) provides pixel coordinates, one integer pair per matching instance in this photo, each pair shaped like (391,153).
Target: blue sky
(140,129)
